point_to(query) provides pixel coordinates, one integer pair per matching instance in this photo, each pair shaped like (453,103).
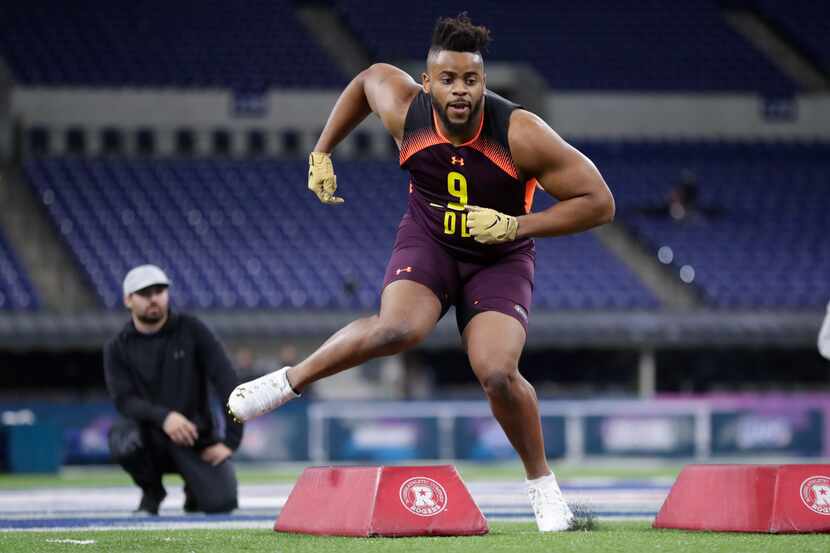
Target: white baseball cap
(142,277)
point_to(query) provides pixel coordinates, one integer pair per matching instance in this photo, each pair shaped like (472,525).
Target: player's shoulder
(533,143)
(393,79)
(527,129)
(524,120)
(384,70)
(390,91)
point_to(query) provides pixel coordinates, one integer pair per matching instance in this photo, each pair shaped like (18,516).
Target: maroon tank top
(444,178)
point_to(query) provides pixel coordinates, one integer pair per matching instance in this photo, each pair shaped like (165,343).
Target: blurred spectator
(682,203)
(244,361)
(418,378)
(287,355)
(250,363)
(682,200)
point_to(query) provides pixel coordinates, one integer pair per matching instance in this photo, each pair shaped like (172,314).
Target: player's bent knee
(397,336)
(499,384)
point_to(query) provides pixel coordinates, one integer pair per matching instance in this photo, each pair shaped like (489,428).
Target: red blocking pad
(381,501)
(749,498)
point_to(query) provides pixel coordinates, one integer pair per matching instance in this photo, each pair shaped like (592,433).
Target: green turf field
(611,537)
(114,476)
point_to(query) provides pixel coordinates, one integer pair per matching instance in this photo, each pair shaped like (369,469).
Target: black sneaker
(150,504)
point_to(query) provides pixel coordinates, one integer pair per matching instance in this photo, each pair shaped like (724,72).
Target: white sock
(542,480)
(288,383)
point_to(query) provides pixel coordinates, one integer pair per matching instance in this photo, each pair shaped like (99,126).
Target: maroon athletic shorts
(504,285)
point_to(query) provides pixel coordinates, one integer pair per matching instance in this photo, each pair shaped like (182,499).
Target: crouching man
(160,370)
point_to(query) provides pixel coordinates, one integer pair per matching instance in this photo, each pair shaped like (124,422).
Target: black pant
(147,453)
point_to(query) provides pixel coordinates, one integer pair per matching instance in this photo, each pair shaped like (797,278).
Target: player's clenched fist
(489,226)
(321,178)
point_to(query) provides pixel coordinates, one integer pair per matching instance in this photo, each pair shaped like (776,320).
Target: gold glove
(321,178)
(489,226)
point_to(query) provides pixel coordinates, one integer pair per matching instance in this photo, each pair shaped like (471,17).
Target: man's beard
(457,129)
(148,319)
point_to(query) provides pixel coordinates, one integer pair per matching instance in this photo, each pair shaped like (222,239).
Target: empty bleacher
(156,43)
(591,45)
(805,22)
(594,45)
(16,291)
(758,236)
(239,234)
(249,235)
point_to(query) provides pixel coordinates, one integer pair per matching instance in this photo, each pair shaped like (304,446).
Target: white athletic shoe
(261,395)
(552,513)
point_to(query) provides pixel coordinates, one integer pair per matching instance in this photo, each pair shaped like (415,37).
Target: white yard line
(64,509)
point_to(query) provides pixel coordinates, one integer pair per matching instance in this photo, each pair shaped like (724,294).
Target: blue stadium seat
(242,235)
(16,290)
(805,22)
(592,44)
(157,43)
(248,234)
(759,237)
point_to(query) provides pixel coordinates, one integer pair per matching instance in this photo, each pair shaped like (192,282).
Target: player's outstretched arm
(383,89)
(565,173)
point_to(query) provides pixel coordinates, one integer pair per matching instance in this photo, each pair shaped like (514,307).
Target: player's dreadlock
(459,35)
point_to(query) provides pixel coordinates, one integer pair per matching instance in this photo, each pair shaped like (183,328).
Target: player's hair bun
(459,35)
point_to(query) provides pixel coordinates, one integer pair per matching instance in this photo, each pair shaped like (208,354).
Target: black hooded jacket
(174,369)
